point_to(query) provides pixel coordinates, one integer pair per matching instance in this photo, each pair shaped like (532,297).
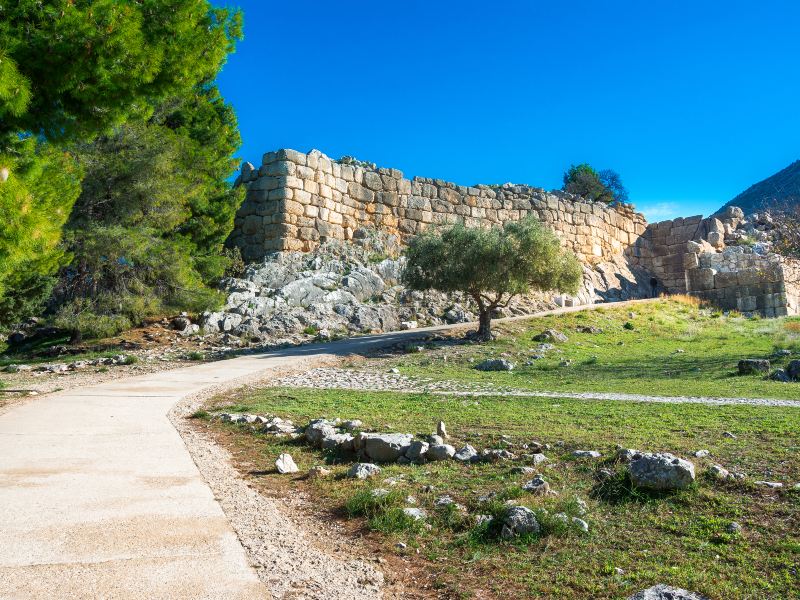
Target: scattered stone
(701,453)
(483,520)
(661,471)
(588,329)
(415,513)
(406,325)
(586,454)
(351,425)
(753,366)
(730,435)
(435,440)
(626,455)
(780,375)
(318,472)
(440,452)
(581,524)
(317,430)
(769,484)
(619,571)
(285,464)
(665,592)
(550,335)
(363,471)
(417,450)
(379,493)
(733,527)
(719,472)
(401,546)
(496,455)
(466,454)
(519,520)
(340,442)
(497,364)
(537,486)
(383,447)
(783,352)
(441,430)
(523,470)
(793,370)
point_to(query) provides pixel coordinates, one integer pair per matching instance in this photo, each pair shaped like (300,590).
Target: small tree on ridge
(491,265)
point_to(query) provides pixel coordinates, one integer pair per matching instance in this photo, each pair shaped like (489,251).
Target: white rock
(285,464)
(363,471)
(661,471)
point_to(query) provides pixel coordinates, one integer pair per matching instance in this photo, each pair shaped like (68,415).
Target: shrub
(81,322)
(196,355)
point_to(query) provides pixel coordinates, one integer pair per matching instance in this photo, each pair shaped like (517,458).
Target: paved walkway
(99,497)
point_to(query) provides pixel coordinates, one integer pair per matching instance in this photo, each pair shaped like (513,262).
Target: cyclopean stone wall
(294,201)
(690,255)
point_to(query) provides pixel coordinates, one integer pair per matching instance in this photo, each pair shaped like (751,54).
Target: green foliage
(76,68)
(35,202)
(72,70)
(491,265)
(79,318)
(148,229)
(603,186)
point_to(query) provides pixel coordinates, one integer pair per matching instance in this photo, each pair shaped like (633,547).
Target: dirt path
(100,496)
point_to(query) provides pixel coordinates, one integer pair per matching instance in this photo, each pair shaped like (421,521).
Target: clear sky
(690,101)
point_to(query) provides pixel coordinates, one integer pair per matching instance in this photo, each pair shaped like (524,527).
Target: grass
(679,538)
(667,348)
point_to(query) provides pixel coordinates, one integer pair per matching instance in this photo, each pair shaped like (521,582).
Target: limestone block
(291,155)
(281,194)
(325,191)
(288,181)
(269,157)
(700,279)
(337,170)
(252,223)
(389,182)
(340,185)
(373,181)
(348,173)
(281,167)
(325,164)
(404,186)
(312,187)
(690,261)
(359,192)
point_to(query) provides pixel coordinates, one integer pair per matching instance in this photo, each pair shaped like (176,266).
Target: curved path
(99,497)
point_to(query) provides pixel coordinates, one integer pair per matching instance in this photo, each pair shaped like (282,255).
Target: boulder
(586,454)
(363,471)
(417,450)
(666,592)
(285,464)
(466,454)
(754,366)
(550,335)
(318,472)
(661,471)
(416,514)
(383,447)
(519,520)
(497,364)
(496,455)
(793,370)
(318,430)
(440,452)
(340,442)
(780,375)
(537,486)
(719,472)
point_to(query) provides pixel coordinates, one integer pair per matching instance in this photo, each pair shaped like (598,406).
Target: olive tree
(491,265)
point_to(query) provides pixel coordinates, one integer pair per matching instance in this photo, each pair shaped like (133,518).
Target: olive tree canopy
(491,265)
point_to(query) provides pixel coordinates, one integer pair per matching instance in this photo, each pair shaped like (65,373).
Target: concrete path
(99,497)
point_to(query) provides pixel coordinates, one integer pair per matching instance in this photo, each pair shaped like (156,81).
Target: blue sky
(691,102)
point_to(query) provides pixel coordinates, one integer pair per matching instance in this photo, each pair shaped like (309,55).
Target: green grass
(669,349)
(677,538)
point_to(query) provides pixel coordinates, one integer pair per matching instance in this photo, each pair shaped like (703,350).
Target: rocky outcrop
(341,289)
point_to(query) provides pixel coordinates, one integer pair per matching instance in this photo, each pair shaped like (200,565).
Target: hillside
(781,188)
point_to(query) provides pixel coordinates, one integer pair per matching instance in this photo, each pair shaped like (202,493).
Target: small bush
(311,330)
(195,355)
(130,359)
(628,325)
(77,319)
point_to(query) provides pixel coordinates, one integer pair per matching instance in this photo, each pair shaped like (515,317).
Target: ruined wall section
(295,201)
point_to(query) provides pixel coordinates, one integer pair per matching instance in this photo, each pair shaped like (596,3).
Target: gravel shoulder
(288,553)
(365,380)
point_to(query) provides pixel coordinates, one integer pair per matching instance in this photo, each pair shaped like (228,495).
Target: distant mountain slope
(778,190)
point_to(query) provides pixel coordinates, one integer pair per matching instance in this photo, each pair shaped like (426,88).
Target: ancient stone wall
(294,201)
